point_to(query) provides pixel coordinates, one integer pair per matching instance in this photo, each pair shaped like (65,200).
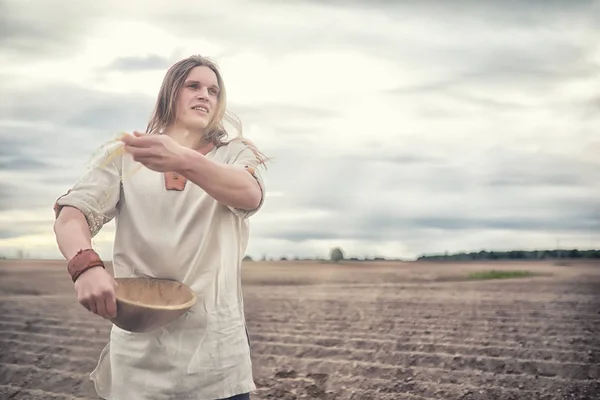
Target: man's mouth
(200,108)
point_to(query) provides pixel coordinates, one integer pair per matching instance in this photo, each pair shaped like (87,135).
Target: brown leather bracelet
(82,261)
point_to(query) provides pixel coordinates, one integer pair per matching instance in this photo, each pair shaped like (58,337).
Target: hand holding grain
(157,152)
(96,291)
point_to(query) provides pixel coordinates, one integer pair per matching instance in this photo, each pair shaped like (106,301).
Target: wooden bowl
(145,304)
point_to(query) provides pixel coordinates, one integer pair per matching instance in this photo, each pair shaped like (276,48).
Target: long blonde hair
(165,109)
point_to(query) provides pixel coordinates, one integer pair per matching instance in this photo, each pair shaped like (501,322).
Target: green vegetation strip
(494,274)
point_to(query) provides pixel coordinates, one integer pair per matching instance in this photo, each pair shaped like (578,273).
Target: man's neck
(185,137)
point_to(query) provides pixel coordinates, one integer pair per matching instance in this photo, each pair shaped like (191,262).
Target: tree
(336,255)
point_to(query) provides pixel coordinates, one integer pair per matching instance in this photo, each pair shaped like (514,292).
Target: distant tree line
(337,254)
(515,255)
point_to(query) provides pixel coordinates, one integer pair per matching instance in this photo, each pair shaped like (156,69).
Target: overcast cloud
(397,128)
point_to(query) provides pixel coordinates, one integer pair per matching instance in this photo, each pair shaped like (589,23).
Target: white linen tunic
(184,235)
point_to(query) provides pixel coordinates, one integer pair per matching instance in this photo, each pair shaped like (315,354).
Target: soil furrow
(47,379)
(13,392)
(72,363)
(399,380)
(410,373)
(369,301)
(549,332)
(480,325)
(430,347)
(527,318)
(37,347)
(497,364)
(574,371)
(73,356)
(557,346)
(285,305)
(51,339)
(559,340)
(564,342)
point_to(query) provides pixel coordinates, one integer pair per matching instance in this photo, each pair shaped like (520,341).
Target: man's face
(198,98)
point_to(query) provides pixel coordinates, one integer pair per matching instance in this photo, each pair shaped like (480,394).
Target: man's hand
(157,152)
(96,291)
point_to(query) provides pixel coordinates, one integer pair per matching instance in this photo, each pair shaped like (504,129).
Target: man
(184,217)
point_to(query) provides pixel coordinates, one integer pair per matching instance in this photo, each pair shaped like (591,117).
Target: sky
(396,128)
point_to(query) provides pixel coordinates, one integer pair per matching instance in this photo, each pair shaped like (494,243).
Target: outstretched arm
(231,185)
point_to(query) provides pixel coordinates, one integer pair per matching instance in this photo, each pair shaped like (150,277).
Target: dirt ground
(339,332)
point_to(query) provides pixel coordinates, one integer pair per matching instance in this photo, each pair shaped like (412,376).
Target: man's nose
(202,93)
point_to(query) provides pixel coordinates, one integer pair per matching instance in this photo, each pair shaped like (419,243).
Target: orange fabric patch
(174,181)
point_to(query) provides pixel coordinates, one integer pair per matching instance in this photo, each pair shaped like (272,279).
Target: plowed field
(352,331)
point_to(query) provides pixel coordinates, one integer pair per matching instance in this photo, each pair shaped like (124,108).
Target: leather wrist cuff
(82,261)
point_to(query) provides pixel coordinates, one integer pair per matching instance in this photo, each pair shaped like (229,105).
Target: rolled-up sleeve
(98,191)
(245,158)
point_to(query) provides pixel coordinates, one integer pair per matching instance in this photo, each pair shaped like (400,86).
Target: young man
(183,216)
